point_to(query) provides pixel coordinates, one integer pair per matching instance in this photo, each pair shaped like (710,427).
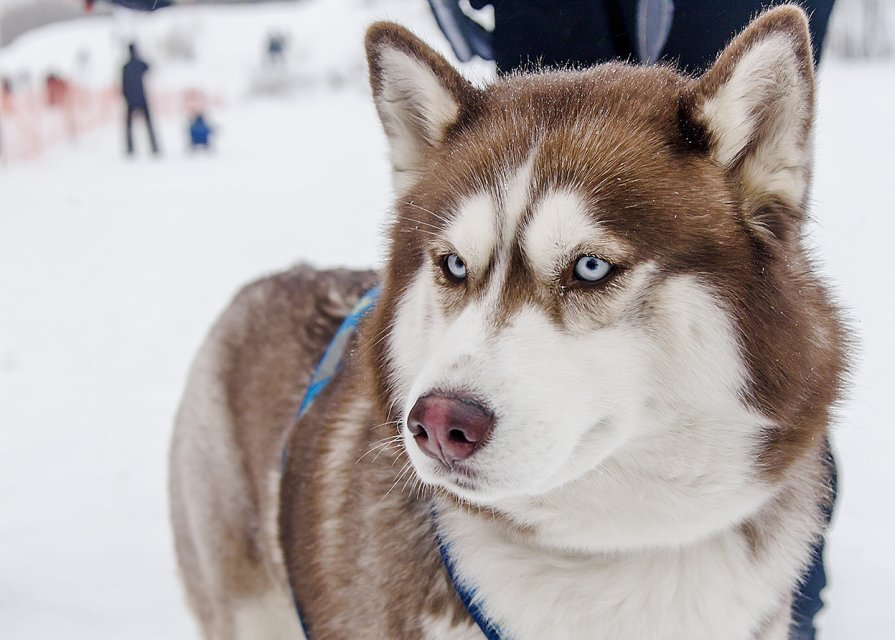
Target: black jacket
(132,82)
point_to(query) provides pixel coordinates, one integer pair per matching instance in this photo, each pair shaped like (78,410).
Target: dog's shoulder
(258,357)
(302,303)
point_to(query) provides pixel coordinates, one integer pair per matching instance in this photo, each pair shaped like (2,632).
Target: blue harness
(331,361)
(324,372)
(467,594)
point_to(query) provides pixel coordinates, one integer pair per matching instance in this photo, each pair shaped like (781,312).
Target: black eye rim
(446,270)
(571,280)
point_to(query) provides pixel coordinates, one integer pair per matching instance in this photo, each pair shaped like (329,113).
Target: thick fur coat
(601,367)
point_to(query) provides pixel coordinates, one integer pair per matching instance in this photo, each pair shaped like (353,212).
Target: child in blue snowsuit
(200,132)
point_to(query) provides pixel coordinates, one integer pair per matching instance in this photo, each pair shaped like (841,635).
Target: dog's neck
(625,507)
(552,576)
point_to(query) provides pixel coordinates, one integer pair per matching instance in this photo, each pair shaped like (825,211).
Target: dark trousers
(807,600)
(144,110)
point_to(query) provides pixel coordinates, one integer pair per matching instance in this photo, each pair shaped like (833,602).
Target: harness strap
(326,369)
(331,361)
(466,594)
(324,372)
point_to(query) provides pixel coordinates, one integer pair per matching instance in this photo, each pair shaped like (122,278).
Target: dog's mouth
(459,476)
(464,483)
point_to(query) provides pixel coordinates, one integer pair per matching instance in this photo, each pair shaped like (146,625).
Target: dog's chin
(481,489)
(471,491)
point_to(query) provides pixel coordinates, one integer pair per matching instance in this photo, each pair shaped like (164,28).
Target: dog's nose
(449,428)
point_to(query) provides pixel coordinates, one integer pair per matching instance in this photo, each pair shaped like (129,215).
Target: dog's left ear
(418,94)
(754,107)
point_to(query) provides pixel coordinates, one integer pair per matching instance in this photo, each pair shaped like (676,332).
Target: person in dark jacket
(580,33)
(135,97)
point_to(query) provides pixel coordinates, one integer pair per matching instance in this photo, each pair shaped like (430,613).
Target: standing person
(582,33)
(5,105)
(276,48)
(135,97)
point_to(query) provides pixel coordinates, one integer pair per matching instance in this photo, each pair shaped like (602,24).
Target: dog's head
(598,274)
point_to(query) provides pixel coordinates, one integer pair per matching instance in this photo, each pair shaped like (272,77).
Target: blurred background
(114,264)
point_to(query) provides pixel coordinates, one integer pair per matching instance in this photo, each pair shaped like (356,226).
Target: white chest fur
(715,588)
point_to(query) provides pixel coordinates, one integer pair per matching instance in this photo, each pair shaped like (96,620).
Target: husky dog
(594,392)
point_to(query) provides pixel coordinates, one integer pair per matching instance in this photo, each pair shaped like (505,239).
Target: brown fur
(355,544)
(260,356)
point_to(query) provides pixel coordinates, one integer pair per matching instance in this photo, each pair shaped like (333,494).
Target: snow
(111,271)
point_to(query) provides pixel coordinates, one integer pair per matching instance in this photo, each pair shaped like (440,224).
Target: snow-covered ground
(111,271)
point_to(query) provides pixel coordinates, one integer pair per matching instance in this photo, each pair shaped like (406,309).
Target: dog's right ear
(418,94)
(755,107)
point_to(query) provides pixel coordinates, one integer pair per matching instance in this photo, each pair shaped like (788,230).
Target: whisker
(384,424)
(410,478)
(418,221)
(383,444)
(426,231)
(401,473)
(416,206)
(379,337)
(394,447)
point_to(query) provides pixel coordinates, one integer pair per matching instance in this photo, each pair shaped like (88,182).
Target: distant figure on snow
(276,48)
(57,90)
(5,104)
(135,97)
(200,132)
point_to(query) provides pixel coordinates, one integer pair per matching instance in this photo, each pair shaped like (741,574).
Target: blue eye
(591,269)
(454,268)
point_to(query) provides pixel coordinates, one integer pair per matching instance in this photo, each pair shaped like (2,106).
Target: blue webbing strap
(467,595)
(324,372)
(331,361)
